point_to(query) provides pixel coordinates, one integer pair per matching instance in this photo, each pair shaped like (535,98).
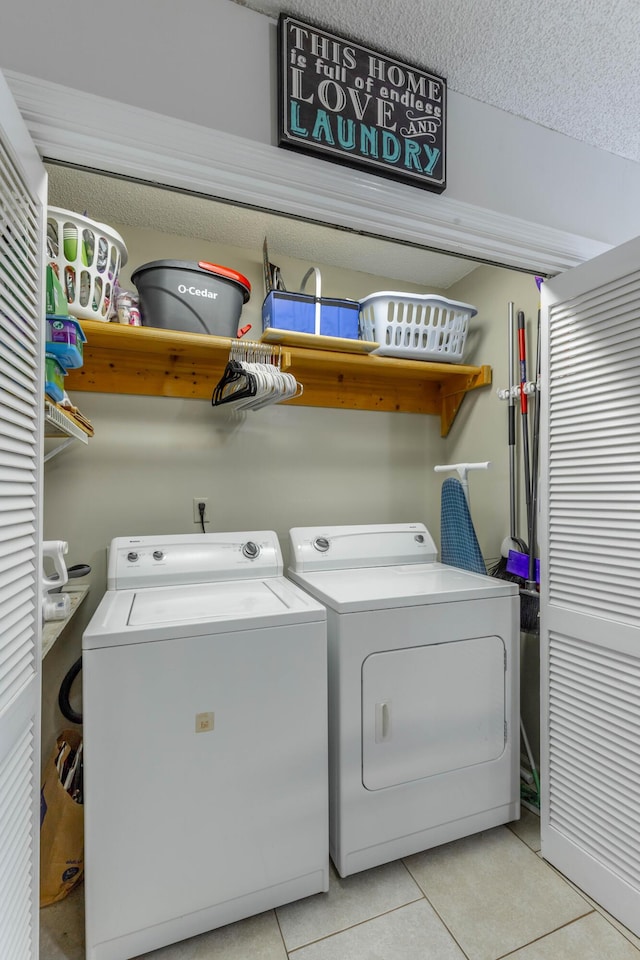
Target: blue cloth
(458,542)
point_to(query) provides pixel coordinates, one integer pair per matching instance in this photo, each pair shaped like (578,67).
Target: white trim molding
(71,126)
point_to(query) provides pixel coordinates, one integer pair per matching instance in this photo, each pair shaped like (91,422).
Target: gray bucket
(197,297)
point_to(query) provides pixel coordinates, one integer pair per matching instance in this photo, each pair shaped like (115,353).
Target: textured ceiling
(573,67)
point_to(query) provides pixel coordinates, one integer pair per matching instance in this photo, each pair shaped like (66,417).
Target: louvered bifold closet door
(590,640)
(21,401)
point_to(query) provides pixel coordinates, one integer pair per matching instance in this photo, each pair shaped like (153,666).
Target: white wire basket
(416,326)
(87,257)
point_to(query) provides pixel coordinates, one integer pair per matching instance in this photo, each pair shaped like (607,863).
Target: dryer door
(431,709)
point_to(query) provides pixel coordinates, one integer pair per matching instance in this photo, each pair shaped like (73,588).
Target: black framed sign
(344,102)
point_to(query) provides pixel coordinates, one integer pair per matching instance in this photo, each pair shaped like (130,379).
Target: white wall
(207,61)
(212,62)
(510,165)
(278,467)
(308,450)
(274,468)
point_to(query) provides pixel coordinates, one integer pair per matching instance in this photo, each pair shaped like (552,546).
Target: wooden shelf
(154,362)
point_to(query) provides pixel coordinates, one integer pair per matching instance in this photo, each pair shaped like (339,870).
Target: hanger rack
(254,378)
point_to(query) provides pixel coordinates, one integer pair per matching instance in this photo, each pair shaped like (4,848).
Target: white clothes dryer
(205,741)
(423,691)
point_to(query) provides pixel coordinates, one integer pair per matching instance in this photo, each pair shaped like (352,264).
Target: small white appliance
(55,606)
(205,741)
(423,691)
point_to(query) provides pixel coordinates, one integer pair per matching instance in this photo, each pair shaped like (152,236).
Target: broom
(512,542)
(529,603)
(530,609)
(529,596)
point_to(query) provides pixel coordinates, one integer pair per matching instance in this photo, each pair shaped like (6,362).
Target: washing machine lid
(217,601)
(161,613)
(402,585)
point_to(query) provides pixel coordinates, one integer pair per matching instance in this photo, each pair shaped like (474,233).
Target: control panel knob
(158,555)
(132,556)
(321,544)
(419,538)
(250,550)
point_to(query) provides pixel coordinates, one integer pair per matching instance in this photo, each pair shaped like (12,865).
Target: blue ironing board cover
(458,542)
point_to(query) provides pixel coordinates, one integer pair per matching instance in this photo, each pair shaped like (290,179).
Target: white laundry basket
(416,326)
(87,257)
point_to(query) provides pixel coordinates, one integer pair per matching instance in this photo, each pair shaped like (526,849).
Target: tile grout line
(528,943)
(597,908)
(352,926)
(522,840)
(600,910)
(446,927)
(543,936)
(284,945)
(625,932)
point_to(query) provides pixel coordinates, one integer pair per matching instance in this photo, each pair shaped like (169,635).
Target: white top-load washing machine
(205,741)
(423,691)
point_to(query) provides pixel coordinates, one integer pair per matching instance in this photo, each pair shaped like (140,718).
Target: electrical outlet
(196,509)
(204,722)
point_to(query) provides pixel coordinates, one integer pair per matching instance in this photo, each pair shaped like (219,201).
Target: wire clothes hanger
(252,378)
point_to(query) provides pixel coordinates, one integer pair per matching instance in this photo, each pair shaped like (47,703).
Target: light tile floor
(482,898)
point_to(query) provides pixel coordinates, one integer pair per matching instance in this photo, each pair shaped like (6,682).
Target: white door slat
(589,535)
(22,264)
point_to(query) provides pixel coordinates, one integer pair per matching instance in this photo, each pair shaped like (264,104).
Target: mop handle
(522,347)
(511,414)
(534,471)
(522,350)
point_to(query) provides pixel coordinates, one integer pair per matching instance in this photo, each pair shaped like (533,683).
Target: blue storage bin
(295,311)
(304,313)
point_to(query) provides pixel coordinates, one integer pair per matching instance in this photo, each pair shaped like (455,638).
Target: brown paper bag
(61,822)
